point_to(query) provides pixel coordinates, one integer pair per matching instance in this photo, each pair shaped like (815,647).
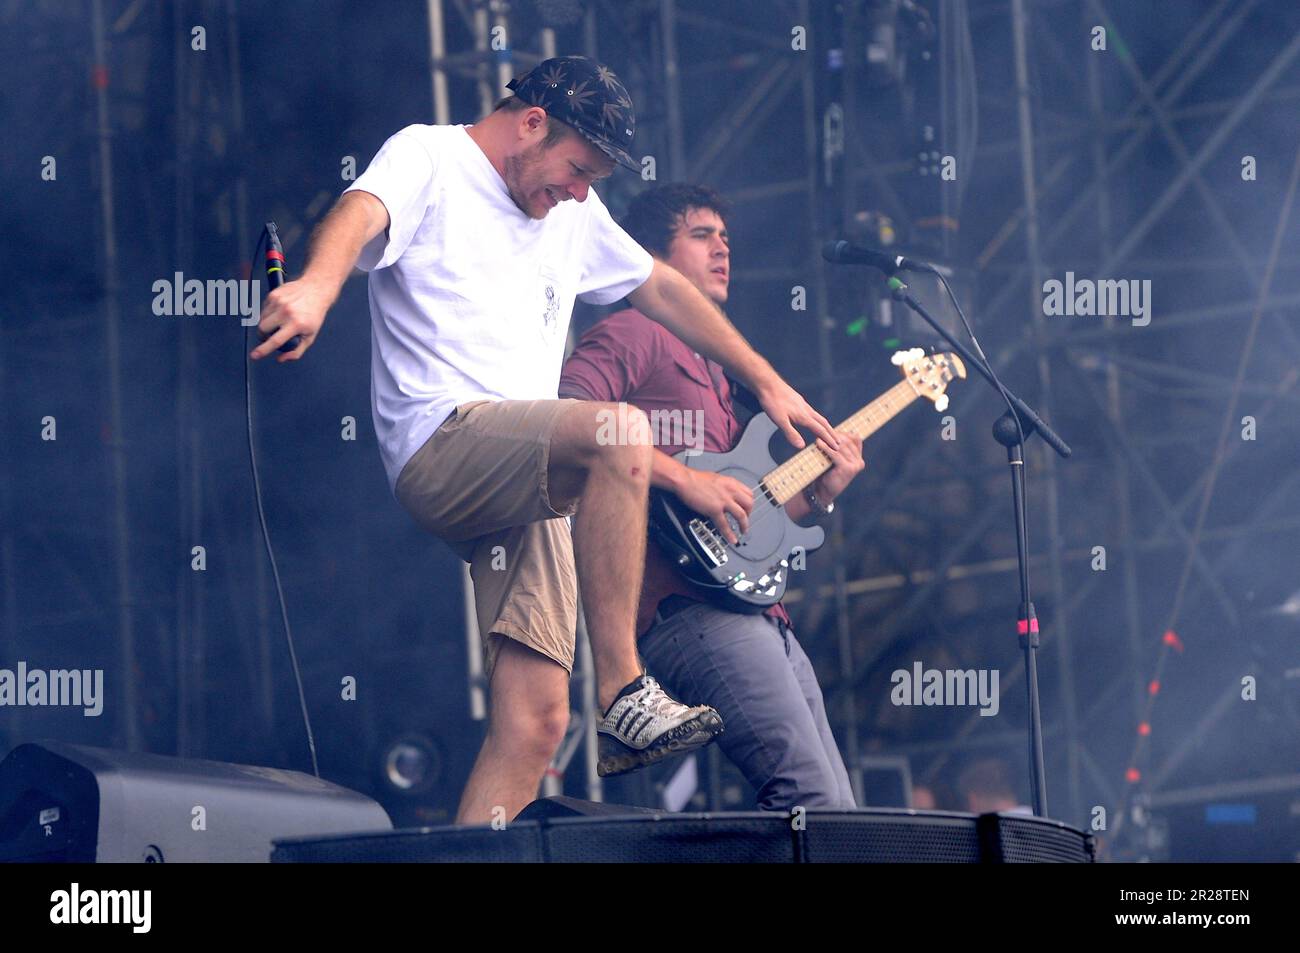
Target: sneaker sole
(703,729)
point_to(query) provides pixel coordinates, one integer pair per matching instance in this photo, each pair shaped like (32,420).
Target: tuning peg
(915,354)
(941,403)
(898,358)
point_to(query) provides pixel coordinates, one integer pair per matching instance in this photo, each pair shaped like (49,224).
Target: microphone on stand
(840,252)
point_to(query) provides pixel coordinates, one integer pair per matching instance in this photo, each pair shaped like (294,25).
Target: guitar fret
(788,479)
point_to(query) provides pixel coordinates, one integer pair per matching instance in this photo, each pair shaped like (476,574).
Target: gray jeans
(755,673)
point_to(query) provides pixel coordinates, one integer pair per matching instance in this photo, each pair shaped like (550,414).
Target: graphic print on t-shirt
(550,301)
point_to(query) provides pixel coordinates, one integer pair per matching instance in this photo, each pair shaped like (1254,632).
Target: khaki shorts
(479,484)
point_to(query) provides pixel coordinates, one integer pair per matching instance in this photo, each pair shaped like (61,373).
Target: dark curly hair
(653,216)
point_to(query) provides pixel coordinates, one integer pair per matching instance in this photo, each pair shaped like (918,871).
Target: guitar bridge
(713,545)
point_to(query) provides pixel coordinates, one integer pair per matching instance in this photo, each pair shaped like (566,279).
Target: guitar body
(752,575)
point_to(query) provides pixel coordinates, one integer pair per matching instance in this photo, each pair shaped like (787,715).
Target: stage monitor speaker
(566,830)
(65,802)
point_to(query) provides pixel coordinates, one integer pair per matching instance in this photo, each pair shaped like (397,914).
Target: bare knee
(530,733)
(611,440)
(529,704)
(625,447)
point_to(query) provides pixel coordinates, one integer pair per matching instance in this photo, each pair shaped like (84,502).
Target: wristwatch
(820,510)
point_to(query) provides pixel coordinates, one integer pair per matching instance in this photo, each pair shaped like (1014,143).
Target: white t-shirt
(470,299)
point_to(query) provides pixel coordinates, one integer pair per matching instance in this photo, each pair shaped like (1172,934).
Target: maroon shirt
(628,357)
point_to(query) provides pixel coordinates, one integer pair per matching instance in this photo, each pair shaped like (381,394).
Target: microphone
(275,275)
(274,258)
(840,252)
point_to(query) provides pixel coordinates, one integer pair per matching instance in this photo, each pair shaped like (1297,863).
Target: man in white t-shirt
(476,254)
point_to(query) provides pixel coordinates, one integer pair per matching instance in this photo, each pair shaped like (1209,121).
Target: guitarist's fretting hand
(846,463)
(788,409)
(715,496)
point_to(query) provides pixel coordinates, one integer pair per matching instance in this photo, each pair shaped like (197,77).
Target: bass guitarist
(751,668)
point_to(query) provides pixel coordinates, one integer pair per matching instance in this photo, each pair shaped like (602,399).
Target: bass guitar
(752,575)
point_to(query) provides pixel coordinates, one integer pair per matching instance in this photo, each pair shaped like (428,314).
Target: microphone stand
(1006,433)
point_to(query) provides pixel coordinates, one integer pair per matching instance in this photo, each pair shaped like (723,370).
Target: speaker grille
(1028,840)
(836,838)
(726,838)
(520,843)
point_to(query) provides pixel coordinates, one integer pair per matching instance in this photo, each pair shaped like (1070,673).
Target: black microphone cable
(988,365)
(270,240)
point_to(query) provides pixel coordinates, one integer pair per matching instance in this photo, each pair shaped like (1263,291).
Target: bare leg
(609,531)
(528,712)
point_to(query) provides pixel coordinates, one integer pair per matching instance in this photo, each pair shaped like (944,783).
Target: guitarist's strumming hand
(715,496)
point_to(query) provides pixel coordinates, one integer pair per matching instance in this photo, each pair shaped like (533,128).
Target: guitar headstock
(929,374)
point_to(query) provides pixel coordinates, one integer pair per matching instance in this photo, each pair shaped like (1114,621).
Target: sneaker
(644,725)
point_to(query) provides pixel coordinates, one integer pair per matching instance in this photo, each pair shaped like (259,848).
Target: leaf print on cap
(580,96)
(611,114)
(607,76)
